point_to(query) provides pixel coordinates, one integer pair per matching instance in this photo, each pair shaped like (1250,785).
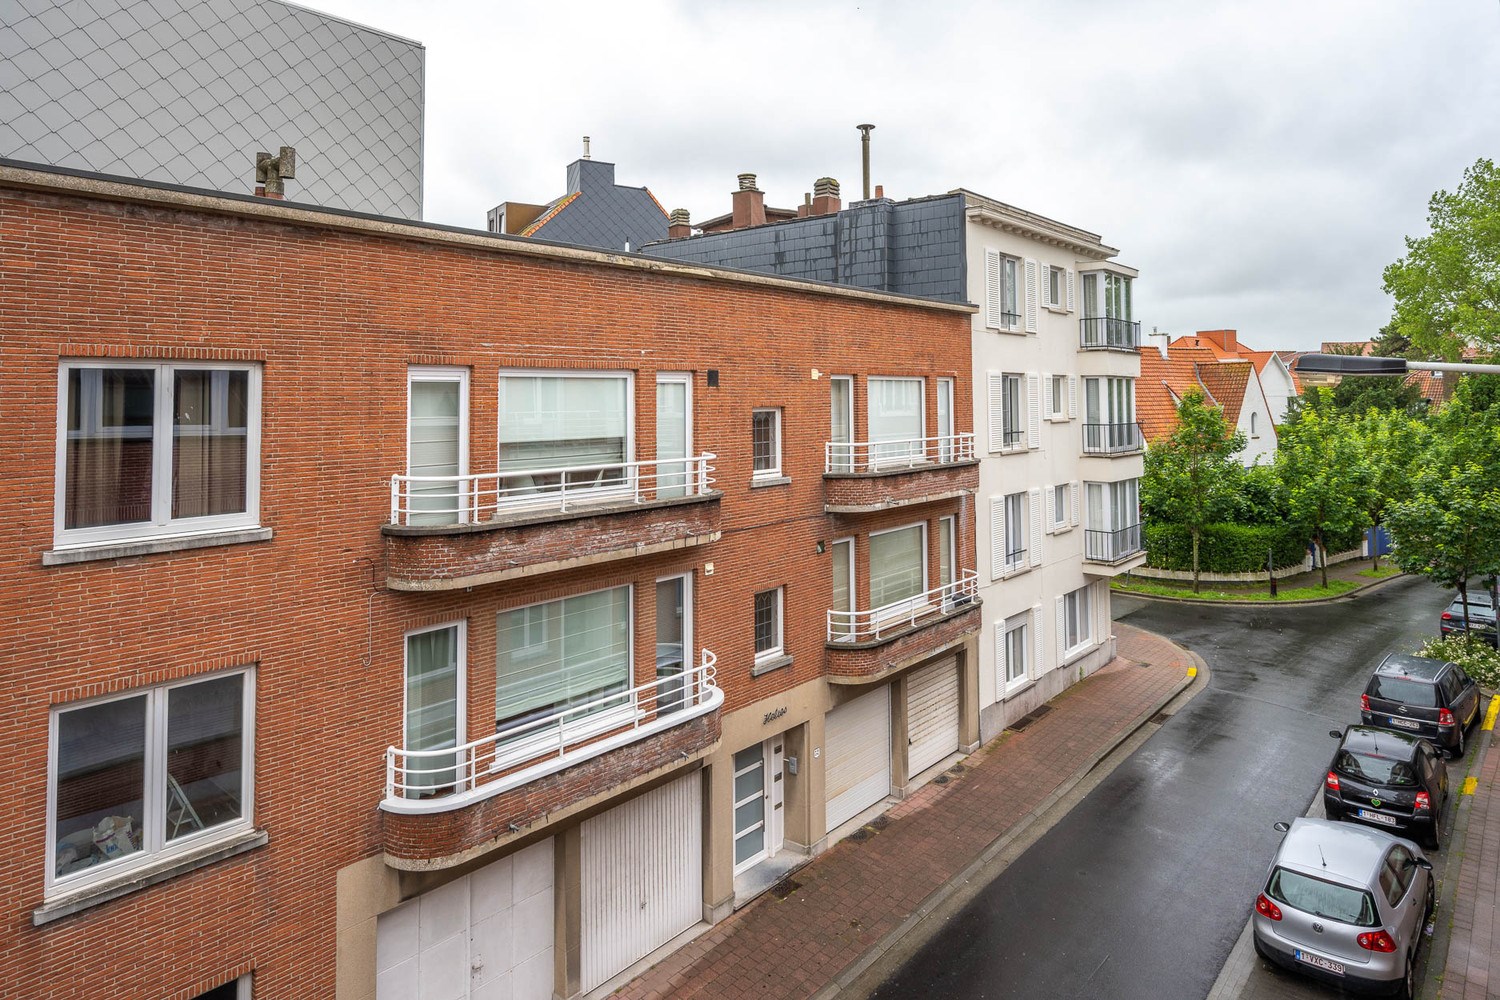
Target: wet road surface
(1142,889)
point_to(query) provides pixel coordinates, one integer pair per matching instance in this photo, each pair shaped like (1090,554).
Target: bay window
(151,449)
(1113,516)
(558,432)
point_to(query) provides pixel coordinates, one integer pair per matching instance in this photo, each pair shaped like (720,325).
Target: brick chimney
(749,204)
(825,196)
(1227,339)
(679,224)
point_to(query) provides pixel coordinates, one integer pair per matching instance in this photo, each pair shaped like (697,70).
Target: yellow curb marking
(1494,709)
(1470,783)
(1193,672)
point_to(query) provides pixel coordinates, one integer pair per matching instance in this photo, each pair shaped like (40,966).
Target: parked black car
(1392,781)
(1481,617)
(1421,697)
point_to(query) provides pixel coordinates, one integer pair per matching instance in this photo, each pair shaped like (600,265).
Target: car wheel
(1458,749)
(1435,838)
(1431,904)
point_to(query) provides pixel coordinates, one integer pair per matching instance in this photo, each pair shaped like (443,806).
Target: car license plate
(1375,817)
(1327,964)
(1405,723)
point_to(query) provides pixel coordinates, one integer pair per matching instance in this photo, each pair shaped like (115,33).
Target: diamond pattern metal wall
(187,91)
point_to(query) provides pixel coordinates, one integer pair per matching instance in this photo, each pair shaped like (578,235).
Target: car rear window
(1322,899)
(1374,769)
(1420,694)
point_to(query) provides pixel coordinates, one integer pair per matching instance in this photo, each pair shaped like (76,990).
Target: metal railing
(528,750)
(1109,334)
(1112,439)
(1111,546)
(448,500)
(1014,559)
(862,626)
(1009,320)
(885,456)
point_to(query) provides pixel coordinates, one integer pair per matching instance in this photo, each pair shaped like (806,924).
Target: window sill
(153,546)
(770,664)
(762,481)
(1077,652)
(141,878)
(1017,688)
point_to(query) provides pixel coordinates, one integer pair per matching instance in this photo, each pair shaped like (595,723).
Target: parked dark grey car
(1481,617)
(1387,780)
(1432,699)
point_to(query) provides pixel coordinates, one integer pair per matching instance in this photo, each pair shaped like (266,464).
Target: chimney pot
(748,204)
(747,182)
(679,224)
(825,196)
(880,190)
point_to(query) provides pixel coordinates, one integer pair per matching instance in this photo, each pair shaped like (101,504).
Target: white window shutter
(1062,629)
(997,410)
(1002,654)
(1031,295)
(1047,403)
(1072,397)
(1034,509)
(1070,290)
(997,537)
(1051,508)
(1038,665)
(992,289)
(1073,515)
(1034,407)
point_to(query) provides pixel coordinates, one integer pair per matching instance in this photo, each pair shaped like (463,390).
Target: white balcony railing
(864,626)
(447,500)
(432,781)
(886,456)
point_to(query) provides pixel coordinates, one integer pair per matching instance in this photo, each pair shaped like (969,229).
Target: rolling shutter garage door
(931,715)
(642,868)
(857,738)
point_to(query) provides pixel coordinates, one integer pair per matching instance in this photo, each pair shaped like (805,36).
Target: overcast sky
(1259,162)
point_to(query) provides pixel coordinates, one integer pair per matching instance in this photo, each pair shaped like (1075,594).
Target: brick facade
(333,310)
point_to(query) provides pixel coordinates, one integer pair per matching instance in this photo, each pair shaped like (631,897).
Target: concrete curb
(942,893)
(1458,841)
(1359,591)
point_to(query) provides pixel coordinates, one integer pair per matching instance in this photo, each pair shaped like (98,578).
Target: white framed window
(1254,432)
(1059,503)
(434,705)
(1056,288)
(1012,401)
(1002,299)
(1014,650)
(1074,621)
(898,569)
(674,433)
(765,443)
(1057,397)
(897,419)
(769,642)
(1016,521)
(149,449)
(841,626)
(566,659)
(946,449)
(674,642)
(947,551)
(572,430)
(841,423)
(148,774)
(437,444)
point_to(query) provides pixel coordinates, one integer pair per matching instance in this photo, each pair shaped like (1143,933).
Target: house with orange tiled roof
(1277,381)
(1232,383)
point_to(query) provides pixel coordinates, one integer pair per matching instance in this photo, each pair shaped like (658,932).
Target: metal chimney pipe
(864,142)
(586,148)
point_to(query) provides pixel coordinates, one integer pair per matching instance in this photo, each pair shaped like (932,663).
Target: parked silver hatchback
(1346,905)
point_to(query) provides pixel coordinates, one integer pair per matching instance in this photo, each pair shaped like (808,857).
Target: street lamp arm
(1356,364)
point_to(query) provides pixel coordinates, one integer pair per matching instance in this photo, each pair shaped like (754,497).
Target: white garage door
(642,868)
(857,743)
(484,935)
(931,715)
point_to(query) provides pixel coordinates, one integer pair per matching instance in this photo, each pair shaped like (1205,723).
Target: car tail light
(1378,941)
(1266,908)
(1447,617)
(1364,702)
(1424,802)
(1331,782)
(1445,717)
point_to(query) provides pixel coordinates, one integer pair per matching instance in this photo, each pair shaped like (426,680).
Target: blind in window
(895,416)
(571,651)
(896,566)
(551,422)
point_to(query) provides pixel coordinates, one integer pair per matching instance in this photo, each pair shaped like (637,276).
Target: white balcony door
(434,706)
(673,435)
(945,419)
(437,443)
(843,587)
(841,431)
(674,644)
(896,420)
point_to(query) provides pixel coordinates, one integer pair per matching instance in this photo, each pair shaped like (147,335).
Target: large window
(1114,506)
(1015,648)
(434,705)
(896,424)
(898,567)
(564,657)
(147,773)
(559,431)
(1074,620)
(151,449)
(765,443)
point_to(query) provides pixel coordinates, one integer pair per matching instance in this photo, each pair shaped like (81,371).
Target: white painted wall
(1256,424)
(1277,384)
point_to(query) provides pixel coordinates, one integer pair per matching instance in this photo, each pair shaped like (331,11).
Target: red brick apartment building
(391,604)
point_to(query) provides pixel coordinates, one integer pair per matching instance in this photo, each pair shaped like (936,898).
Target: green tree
(1191,475)
(1393,444)
(1447,287)
(1326,476)
(1450,528)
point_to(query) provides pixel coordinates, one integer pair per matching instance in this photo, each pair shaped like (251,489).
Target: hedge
(1224,548)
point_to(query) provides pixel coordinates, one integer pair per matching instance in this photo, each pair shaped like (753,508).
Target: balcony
(449,532)
(1113,548)
(864,476)
(866,645)
(1105,333)
(440,805)
(1112,439)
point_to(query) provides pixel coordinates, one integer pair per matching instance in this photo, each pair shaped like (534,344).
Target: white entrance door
(857,743)
(642,869)
(931,715)
(758,813)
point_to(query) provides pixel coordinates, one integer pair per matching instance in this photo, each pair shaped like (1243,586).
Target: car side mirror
(1335,734)
(1423,863)
(1281,827)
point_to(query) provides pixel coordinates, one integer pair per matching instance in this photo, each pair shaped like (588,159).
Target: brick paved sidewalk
(1473,966)
(858,891)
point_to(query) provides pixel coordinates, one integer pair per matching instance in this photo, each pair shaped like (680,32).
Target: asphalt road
(1142,889)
